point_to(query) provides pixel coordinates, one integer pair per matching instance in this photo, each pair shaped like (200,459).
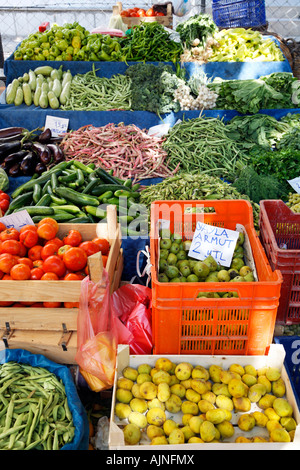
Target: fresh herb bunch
(199,27)
(153,87)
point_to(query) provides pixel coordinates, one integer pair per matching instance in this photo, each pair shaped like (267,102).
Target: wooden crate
(274,358)
(166,20)
(53,331)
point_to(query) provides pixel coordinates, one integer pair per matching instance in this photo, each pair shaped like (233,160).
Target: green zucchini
(37,210)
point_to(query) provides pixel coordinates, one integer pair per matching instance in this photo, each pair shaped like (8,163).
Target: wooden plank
(27,318)
(46,343)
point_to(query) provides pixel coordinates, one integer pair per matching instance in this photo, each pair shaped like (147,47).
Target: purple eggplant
(16,157)
(40,168)
(45,136)
(11,131)
(28,164)
(9,147)
(15,170)
(57,153)
(43,152)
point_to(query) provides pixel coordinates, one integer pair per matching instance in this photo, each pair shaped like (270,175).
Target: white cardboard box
(275,358)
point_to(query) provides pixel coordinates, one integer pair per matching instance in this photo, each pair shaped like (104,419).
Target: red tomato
(73,238)
(71,304)
(103,244)
(55,240)
(72,277)
(4,205)
(52,304)
(36,274)
(150,12)
(124,13)
(26,261)
(29,238)
(28,227)
(141,12)
(159,13)
(7,261)
(49,277)
(23,250)
(20,272)
(54,264)
(104,260)
(2,227)
(62,250)
(6,277)
(48,220)
(5,304)
(89,247)
(38,263)
(37,305)
(49,250)
(9,234)
(35,252)
(75,258)
(47,231)
(10,246)
(1,274)
(133,14)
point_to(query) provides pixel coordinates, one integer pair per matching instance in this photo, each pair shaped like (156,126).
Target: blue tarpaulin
(225,70)
(80,419)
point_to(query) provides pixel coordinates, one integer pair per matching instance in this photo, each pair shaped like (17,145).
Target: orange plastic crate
(185,324)
(280,237)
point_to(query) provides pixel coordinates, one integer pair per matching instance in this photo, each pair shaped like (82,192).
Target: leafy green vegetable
(259,187)
(250,96)
(153,87)
(199,27)
(4,181)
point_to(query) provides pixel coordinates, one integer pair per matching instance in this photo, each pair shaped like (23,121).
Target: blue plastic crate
(291,346)
(239,14)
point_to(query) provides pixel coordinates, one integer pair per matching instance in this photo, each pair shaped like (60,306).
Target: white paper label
(17,220)
(57,125)
(215,241)
(295,183)
(159,131)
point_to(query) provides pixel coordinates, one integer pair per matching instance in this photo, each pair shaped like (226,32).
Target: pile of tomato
(4,201)
(35,252)
(140,12)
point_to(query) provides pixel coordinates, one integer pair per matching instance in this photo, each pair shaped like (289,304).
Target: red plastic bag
(98,334)
(131,303)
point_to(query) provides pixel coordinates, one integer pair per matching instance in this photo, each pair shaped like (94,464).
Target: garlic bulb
(206,98)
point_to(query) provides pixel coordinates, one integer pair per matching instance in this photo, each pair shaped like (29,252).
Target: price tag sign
(57,125)
(295,183)
(17,220)
(215,241)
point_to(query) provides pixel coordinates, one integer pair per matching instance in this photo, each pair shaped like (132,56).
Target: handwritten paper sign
(295,183)
(57,125)
(215,241)
(17,220)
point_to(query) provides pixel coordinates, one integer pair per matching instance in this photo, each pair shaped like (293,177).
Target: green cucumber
(76,197)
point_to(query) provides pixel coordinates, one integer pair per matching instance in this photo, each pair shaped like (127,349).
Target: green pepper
(70,50)
(76,42)
(81,55)
(66,56)
(93,57)
(59,58)
(95,46)
(67,33)
(107,39)
(29,52)
(105,48)
(43,38)
(59,34)
(39,57)
(18,55)
(45,45)
(54,50)
(46,53)
(62,44)
(103,56)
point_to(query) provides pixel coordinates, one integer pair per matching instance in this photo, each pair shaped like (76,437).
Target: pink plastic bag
(131,303)
(98,334)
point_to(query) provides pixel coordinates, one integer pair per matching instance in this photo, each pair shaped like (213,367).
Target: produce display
(25,153)
(34,409)
(66,43)
(199,40)
(177,403)
(35,252)
(74,177)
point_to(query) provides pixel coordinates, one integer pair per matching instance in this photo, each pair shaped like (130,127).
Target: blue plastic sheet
(81,438)
(226,70)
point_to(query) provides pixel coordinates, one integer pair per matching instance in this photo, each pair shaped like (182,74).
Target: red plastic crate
(185,324)
(280,236)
